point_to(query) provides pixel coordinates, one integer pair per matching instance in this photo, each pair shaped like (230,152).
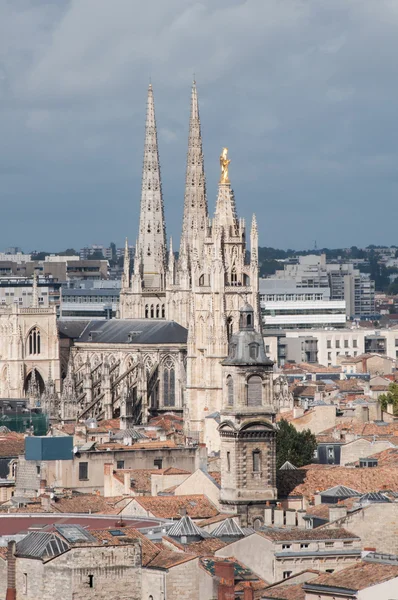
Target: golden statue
(224,162)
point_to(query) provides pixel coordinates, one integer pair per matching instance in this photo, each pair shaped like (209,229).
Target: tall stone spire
(195,202)
(35,291)
(152,232)
(126,268)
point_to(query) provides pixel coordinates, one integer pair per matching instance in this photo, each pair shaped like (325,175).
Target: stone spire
(35,292)
(126,267)
(225,213)
(152,232)
(254,244)
(195,202)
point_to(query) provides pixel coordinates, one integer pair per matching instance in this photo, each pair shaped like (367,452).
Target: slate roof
(133,331)
(228,528)
(186,527)
(373,497)
(41,544)
(287,466)
(340,491)
(71,329)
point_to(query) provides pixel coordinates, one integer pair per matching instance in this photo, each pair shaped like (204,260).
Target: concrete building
(94,303)
(286,306)
(344,280)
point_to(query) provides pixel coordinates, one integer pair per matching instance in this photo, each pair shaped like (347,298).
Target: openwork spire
(152,232)
(195,202)
(126,267)
(225,214)
(35,291)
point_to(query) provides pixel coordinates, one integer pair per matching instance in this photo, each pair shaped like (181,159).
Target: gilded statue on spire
(224,162)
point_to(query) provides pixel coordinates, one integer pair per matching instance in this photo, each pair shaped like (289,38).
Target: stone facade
(247,432)
(101,572)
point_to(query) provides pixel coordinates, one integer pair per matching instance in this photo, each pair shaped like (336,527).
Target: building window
(253,351)
(91,581)
(38,470)
(337,343)
(228,462)
(157,311)
(286,546)
(355,343)
(304,545)
(254,391)
(83,471)
(329,571)
(329,356)
(329,544)
(120,464)
(348,543)
(152,312)
(329,344)
(230,391)
(25,584)
(146,311)
(158,463)
(169,383)
(34,341)
(163,312)
(345,343)
(286,574)
(256,461)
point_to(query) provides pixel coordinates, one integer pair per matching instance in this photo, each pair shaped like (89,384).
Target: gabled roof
(41,544)
(287,466)
(186,527)
(166,559)
(133,331)
(340,491)
(197,506)
(228,528)
(357,577)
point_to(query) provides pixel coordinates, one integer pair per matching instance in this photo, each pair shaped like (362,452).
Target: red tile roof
(12,445)
(197,506)
(166,559)
(359,576)
(284,592)
(279,535)
(149,549)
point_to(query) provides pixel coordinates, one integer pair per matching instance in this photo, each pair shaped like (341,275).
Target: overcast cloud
(303,92)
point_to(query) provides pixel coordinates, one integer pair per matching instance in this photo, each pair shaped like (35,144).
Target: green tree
(390,398)
(96,255)
(297,447)
(68,252)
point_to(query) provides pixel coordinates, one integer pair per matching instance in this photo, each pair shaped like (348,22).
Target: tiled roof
(87,503)
(308,481)
(12,445)
(279,535)
(3,552)
(285,592)
(358,577)
(141,478)
(147,445)
(216,475)
(167,559)
(385,458)
(364,429)
(205,547)
(148,548)
(197,506)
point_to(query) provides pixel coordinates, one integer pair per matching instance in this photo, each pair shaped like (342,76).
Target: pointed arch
(33,341)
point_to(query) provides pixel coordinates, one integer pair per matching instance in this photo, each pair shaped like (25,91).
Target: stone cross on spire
(152,232)
(195,202)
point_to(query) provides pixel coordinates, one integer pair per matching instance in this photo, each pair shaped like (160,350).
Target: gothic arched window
(157,311)
(249,320)
(163,312)
(230,391)
(201,280)
(152,311)
(146,311)
(169,383)
(34,341)
(234,276)
(254,390)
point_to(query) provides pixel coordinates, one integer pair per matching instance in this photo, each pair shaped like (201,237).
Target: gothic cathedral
(207,286)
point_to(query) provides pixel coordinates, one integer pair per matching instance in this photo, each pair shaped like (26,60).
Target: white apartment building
(324,346)
(285,306)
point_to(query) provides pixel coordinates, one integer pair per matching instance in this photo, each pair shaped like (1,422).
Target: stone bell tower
(247,431)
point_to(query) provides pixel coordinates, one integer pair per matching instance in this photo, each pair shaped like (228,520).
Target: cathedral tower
(144,296)
(221,282)
(247,432)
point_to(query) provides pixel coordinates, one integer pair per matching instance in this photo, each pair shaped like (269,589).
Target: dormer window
(253,350)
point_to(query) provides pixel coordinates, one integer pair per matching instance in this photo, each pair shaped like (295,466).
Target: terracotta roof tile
(167,559)
(359,576)
(12,445)
(285,592)
(385,458)
(147,445)
(3,552)
(216,475)
(87,503)
(197,506)
(279,535)
(308,481)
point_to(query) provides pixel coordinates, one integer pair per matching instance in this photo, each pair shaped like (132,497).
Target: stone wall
(361,448)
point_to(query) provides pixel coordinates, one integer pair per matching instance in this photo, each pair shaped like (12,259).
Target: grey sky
(303,92)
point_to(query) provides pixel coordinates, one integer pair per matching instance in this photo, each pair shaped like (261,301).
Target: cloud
(301,91)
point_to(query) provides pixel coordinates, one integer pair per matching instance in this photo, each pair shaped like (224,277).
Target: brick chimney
(11,593)
(224,575)
(248,592)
